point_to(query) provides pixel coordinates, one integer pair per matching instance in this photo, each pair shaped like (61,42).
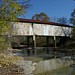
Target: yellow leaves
(4,26)
(14,5)
(9,59)
(9,11)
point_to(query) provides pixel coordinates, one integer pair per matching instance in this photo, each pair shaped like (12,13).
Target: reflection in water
(63,71)
(68,71)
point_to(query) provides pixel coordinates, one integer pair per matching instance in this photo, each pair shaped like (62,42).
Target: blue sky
(53,8)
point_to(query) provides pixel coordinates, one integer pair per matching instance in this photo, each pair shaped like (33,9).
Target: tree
(62,20)
(9,11)
(42,17)
(72,21)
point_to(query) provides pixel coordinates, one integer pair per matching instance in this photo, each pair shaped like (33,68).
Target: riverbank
(42,66)
(31,65)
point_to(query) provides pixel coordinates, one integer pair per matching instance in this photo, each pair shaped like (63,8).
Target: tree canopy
(72,19)
(9,11)
(62,20)
(42,17)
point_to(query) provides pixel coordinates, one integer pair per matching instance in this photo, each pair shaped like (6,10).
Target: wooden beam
(55,41)
(47,44)
(34,40)
(34,43)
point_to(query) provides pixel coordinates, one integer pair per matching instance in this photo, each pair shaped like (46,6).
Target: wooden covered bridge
(35,33)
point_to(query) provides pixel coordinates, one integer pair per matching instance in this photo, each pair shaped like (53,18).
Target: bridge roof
(42,22)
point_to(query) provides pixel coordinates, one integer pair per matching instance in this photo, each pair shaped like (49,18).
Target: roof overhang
(42,22)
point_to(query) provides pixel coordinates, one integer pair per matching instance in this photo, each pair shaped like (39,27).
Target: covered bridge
(35,33)
(36,30)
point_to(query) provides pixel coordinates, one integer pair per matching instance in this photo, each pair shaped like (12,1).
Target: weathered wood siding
(62,31)
(22,29)
(40,29)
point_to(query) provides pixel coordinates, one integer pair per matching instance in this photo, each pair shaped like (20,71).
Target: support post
(34,43)
(28,43)
(34,40)
(47,44)
(55,41)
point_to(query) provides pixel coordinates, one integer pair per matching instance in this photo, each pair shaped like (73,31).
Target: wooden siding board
(20,28)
